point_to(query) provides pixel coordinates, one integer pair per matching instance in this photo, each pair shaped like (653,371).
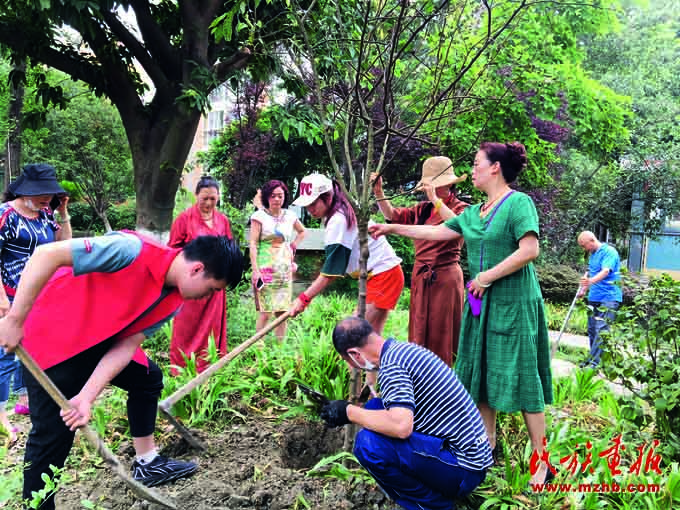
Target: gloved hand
(335,413)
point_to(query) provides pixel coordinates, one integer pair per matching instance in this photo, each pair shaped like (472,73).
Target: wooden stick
(166,405)
(91,435)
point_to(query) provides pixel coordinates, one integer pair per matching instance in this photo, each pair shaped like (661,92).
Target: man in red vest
(82,309)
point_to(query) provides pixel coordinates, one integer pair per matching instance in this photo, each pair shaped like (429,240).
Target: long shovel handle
(556,344)
(90,434)
(201,378)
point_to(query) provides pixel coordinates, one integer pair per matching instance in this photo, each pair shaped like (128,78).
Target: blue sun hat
(36,179)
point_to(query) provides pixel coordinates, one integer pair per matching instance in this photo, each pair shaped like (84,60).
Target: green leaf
(660,404)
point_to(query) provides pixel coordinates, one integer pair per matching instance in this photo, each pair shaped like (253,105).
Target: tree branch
(156,41)
(140,53)
(238,60)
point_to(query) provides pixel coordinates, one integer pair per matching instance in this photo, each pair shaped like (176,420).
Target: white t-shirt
(277,227)
(338,239)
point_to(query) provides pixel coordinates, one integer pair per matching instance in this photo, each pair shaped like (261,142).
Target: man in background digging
(424,442)
(81,310)
(604,291)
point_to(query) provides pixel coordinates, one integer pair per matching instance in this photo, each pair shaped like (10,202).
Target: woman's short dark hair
(511,156)
(221,257)
(351,332)
(207,181)
(269,188)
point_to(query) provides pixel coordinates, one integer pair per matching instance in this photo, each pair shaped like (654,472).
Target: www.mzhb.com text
(596,487)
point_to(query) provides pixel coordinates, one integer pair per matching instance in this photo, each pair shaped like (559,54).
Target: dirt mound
(247,467)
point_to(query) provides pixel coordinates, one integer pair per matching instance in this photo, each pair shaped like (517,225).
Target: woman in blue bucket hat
(26,221)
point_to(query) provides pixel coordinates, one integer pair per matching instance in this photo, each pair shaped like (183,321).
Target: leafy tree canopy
(157,62)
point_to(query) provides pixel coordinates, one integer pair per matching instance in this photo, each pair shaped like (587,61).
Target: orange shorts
(384,289)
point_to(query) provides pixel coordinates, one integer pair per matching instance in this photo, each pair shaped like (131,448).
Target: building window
(214,126)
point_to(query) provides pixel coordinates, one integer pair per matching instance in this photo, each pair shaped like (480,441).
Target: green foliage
(581,386)
(639,61)
(559,283)
(87,129)
(159,116)
(270,373)
(335,466)
(534,89)
(122,216)
(262,382)
(642,351)
(238,219)
(10,478)
(557,312)
(52,484)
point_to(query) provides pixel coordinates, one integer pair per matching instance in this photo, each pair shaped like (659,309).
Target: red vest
(74,313)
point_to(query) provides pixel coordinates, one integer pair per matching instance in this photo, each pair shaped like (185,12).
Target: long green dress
(503,355)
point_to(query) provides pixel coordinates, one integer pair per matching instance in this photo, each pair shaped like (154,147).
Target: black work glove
(335,413)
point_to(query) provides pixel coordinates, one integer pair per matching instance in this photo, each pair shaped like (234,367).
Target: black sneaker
(162,470)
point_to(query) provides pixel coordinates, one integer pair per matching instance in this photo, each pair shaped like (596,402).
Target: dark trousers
(50,441)
(603,313)
(418,473)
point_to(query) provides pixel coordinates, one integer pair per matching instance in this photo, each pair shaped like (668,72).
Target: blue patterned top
(19,237)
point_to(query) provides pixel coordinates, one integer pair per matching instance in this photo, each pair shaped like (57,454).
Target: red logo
(305,188)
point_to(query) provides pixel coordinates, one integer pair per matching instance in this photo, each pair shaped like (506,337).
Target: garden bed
(255,464)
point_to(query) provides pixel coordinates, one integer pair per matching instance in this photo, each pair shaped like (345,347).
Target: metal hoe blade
(137,488)
(186,434)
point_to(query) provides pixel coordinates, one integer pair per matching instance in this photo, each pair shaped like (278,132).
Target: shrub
(642,350)
(633,285)
(238,219)
(83,217)
(121,216)
(559,283)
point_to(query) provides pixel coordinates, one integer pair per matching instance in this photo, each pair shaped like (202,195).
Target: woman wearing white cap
(324,199)
(437,283)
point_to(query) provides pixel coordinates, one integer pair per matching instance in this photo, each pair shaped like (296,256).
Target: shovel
(166,405)
(566,321)
(136,487)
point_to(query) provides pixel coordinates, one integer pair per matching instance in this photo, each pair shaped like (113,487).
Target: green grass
(578,322)
(262,382)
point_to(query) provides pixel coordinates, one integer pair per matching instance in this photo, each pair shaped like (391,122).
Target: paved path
(564,368)
(578,341)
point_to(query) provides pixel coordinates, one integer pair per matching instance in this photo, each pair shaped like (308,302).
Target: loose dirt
(252,465)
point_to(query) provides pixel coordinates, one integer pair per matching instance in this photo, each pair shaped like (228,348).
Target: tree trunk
(105,219)
(158,172)
(356,376)
(16,104)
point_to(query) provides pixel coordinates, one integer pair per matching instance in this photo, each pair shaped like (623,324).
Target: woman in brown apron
(437,279)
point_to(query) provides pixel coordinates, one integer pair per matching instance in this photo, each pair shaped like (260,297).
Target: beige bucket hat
(438,171)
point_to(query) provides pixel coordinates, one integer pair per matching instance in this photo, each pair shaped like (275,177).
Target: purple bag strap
(486,225)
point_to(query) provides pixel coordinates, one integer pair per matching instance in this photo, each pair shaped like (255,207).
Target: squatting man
(424,441)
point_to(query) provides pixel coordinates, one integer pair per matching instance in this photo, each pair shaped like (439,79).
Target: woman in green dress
(503,355)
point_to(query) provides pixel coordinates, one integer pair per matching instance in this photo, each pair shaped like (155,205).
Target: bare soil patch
(256,465)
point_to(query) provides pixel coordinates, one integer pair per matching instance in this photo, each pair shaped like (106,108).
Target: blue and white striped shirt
(413,377)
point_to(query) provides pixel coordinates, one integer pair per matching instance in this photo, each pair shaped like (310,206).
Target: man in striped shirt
(424,442)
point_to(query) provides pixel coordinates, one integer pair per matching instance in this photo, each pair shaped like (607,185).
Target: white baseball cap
(311,187)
